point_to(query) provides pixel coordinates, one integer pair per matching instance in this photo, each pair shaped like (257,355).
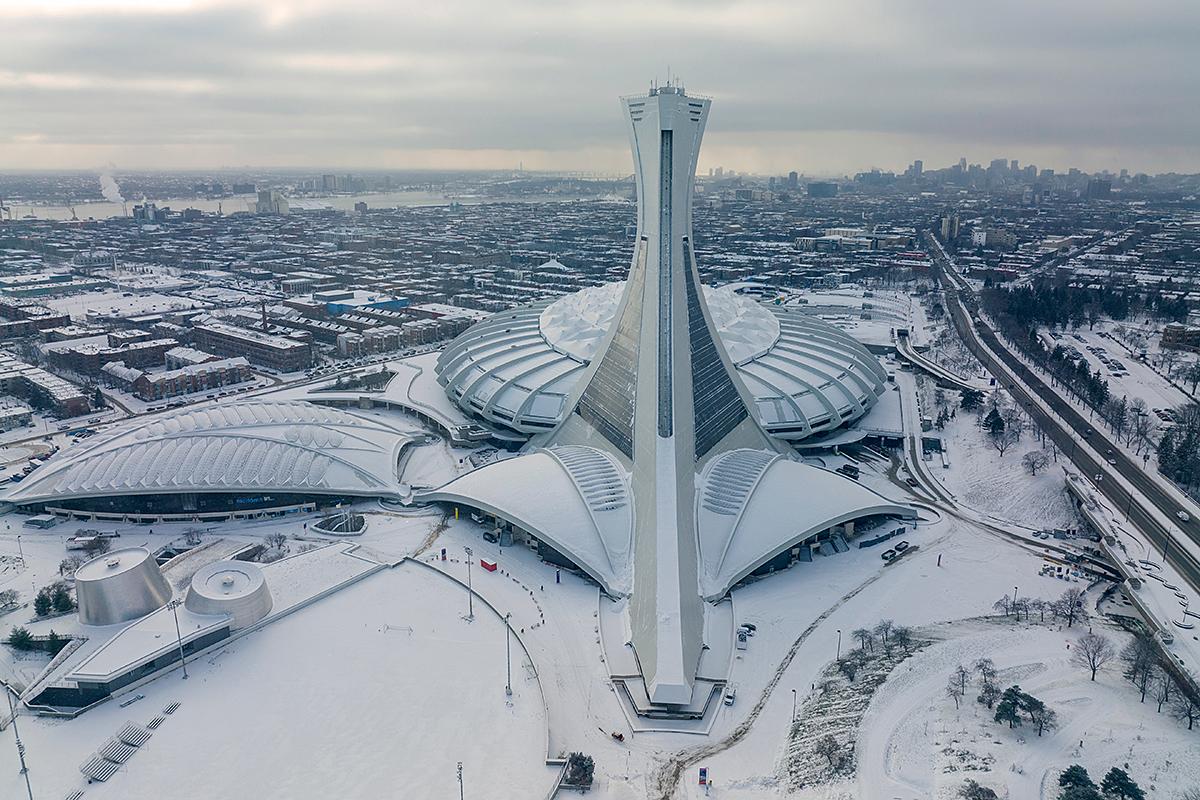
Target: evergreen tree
(1009,708)
(61,599)
(1118,784)
(42,603)
(20,639)
(1075,776)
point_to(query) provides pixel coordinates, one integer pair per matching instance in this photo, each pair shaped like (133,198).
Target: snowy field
(917,745)
(982,479)
(377,691)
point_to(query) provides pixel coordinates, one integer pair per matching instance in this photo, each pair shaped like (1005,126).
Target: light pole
(20,549)
(508,653)
(839,647)
(174,606)
(470,591)
(460,783)
(12,713)
(793,706)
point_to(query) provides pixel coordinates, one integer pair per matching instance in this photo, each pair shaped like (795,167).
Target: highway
(960,299)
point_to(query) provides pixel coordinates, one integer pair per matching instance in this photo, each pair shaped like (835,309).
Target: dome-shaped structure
(517,368)
(120,586)
(236,588)
(210,455)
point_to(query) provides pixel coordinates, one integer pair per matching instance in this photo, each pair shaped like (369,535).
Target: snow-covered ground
(979,477)
(377,691)
(380,689)
(915,744)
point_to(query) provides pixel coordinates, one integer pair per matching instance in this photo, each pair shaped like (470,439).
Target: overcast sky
(821,87)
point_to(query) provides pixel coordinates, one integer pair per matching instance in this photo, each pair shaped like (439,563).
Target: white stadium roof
(577,500)
(516,369)
(248,446)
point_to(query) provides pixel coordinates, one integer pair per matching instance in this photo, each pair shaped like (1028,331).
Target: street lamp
(508,653)
(21,549)
(470,591)
(174,606)
(12,713)
(793,706)
(460,782)
(839,646)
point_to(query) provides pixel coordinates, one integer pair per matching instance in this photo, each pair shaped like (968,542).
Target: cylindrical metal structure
(237,588)
(120,586)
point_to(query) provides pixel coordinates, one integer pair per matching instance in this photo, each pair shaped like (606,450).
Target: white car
(1183,516)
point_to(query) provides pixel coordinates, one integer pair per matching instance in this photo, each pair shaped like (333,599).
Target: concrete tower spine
(661,395)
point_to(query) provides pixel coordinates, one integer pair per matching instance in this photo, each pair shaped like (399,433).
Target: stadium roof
(578,500)
(516,369)
(250,446)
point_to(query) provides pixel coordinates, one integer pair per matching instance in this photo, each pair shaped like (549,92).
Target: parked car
(888,555)
(1183,516)
(901,547)
(730,694)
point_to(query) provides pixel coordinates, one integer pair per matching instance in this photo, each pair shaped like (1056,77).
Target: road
(1066,427)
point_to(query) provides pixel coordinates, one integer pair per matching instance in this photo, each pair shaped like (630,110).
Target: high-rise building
(793,180)
(1099,188)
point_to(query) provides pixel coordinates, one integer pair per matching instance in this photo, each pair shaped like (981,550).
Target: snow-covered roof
(748,511)
(517,368)
(574,498)
(248,446)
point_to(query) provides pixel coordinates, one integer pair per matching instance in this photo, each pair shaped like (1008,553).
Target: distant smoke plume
(110,189)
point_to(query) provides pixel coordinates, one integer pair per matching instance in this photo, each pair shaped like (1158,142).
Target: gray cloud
(814,86)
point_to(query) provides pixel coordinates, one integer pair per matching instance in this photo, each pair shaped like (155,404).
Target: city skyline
(178,85)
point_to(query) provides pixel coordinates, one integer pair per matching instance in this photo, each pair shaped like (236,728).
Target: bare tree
(1004,604)
(954,691)
(1185,709)
(989,690)
(1035,460)
(1003,438)
(1070,606)
(1163,687)
(902,636)
(1141,663)
(1093,651)
(1038,605)
(866,639)
(884,630)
